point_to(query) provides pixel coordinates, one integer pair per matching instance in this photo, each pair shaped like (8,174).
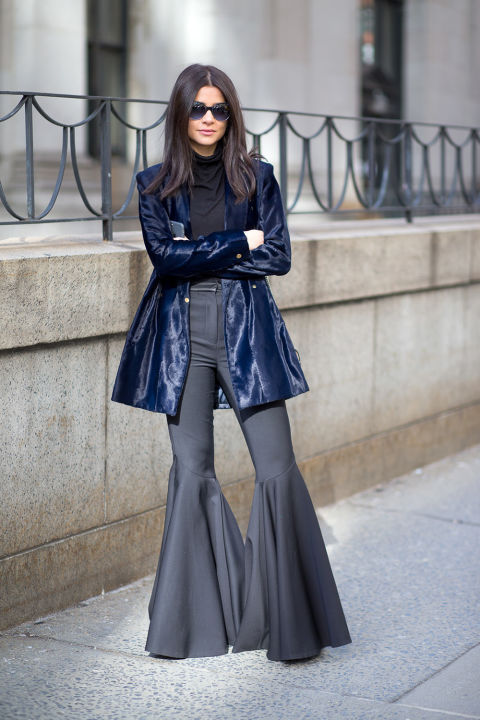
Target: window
(381,28)
(381,57)
(107,64)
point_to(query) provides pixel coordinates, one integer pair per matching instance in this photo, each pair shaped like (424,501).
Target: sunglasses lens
(198,111)
(220,112)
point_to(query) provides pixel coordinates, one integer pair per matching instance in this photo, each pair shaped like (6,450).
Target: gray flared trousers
(275,591)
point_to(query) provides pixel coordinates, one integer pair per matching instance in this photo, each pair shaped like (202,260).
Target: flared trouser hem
(276,592)
(291,605)
(195,606)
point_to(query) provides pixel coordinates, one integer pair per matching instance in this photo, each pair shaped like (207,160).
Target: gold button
(254,286)
(239,255)
(187,299)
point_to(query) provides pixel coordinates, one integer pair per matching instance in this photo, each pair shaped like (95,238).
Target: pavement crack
(416,513)
(455,714)
(396,699)
(76,643)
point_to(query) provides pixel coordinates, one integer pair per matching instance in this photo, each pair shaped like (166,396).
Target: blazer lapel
(182,210)
(235,213)
(235,219)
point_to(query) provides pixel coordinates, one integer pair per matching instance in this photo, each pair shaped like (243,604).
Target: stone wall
(386,318)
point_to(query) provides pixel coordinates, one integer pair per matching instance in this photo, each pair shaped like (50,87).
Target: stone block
(472,342)
(340,472)
(50,577)
(343,266)
(475,255)
(419,356)
(52,456)
(59,574)
(336,349)
(450,256)
(343,471)
(138,452)
(132,547)
(423,442)
(105,282)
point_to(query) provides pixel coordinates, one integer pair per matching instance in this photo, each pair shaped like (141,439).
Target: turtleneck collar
(209,159)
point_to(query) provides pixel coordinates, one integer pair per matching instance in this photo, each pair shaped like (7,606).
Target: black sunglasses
(220,111)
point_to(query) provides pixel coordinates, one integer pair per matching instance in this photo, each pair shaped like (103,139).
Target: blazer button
(187,299)
(254,286)
(238,255)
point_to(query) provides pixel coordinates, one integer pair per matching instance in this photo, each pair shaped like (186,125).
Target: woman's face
(205,133)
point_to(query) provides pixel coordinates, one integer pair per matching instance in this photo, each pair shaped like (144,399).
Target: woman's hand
(254,238)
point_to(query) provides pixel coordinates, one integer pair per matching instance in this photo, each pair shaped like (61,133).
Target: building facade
(413,59)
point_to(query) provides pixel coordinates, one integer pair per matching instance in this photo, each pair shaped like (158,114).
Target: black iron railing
(339,165)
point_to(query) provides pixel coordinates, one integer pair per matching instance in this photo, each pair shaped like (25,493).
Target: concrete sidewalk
(406,557)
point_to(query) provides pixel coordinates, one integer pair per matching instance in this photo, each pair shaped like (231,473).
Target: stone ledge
(61,288)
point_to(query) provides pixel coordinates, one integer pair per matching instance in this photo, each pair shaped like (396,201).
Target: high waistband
(210,284)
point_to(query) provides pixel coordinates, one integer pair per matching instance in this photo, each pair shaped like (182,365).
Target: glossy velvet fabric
(262,360)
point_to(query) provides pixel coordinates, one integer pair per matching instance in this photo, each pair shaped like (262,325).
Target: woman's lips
(207,132)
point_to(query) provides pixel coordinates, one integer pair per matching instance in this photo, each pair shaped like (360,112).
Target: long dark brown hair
(176,169)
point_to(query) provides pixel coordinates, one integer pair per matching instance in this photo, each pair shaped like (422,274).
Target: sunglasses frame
(197,107)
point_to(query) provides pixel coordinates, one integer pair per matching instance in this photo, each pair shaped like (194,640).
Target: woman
(208,334)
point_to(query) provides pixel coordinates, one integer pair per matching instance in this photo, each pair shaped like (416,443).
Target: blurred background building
(414,60)
(410,59)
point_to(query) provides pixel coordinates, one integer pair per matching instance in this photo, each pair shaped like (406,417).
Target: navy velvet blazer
(262,360)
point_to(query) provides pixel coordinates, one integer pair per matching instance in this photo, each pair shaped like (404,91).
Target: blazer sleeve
(274,256)
(185,258)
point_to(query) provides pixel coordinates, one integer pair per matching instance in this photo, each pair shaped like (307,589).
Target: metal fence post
(408,171)
(106,163)
(443,161)
(30,178)
(473,137)
(371,163)
(282,138)
(329,164)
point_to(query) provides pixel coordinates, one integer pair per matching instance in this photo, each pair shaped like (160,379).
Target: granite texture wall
(386,318)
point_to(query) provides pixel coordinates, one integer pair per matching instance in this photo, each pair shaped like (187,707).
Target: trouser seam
(194,472)
(282,472)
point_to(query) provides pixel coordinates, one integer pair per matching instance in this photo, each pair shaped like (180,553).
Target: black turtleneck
(207,198)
